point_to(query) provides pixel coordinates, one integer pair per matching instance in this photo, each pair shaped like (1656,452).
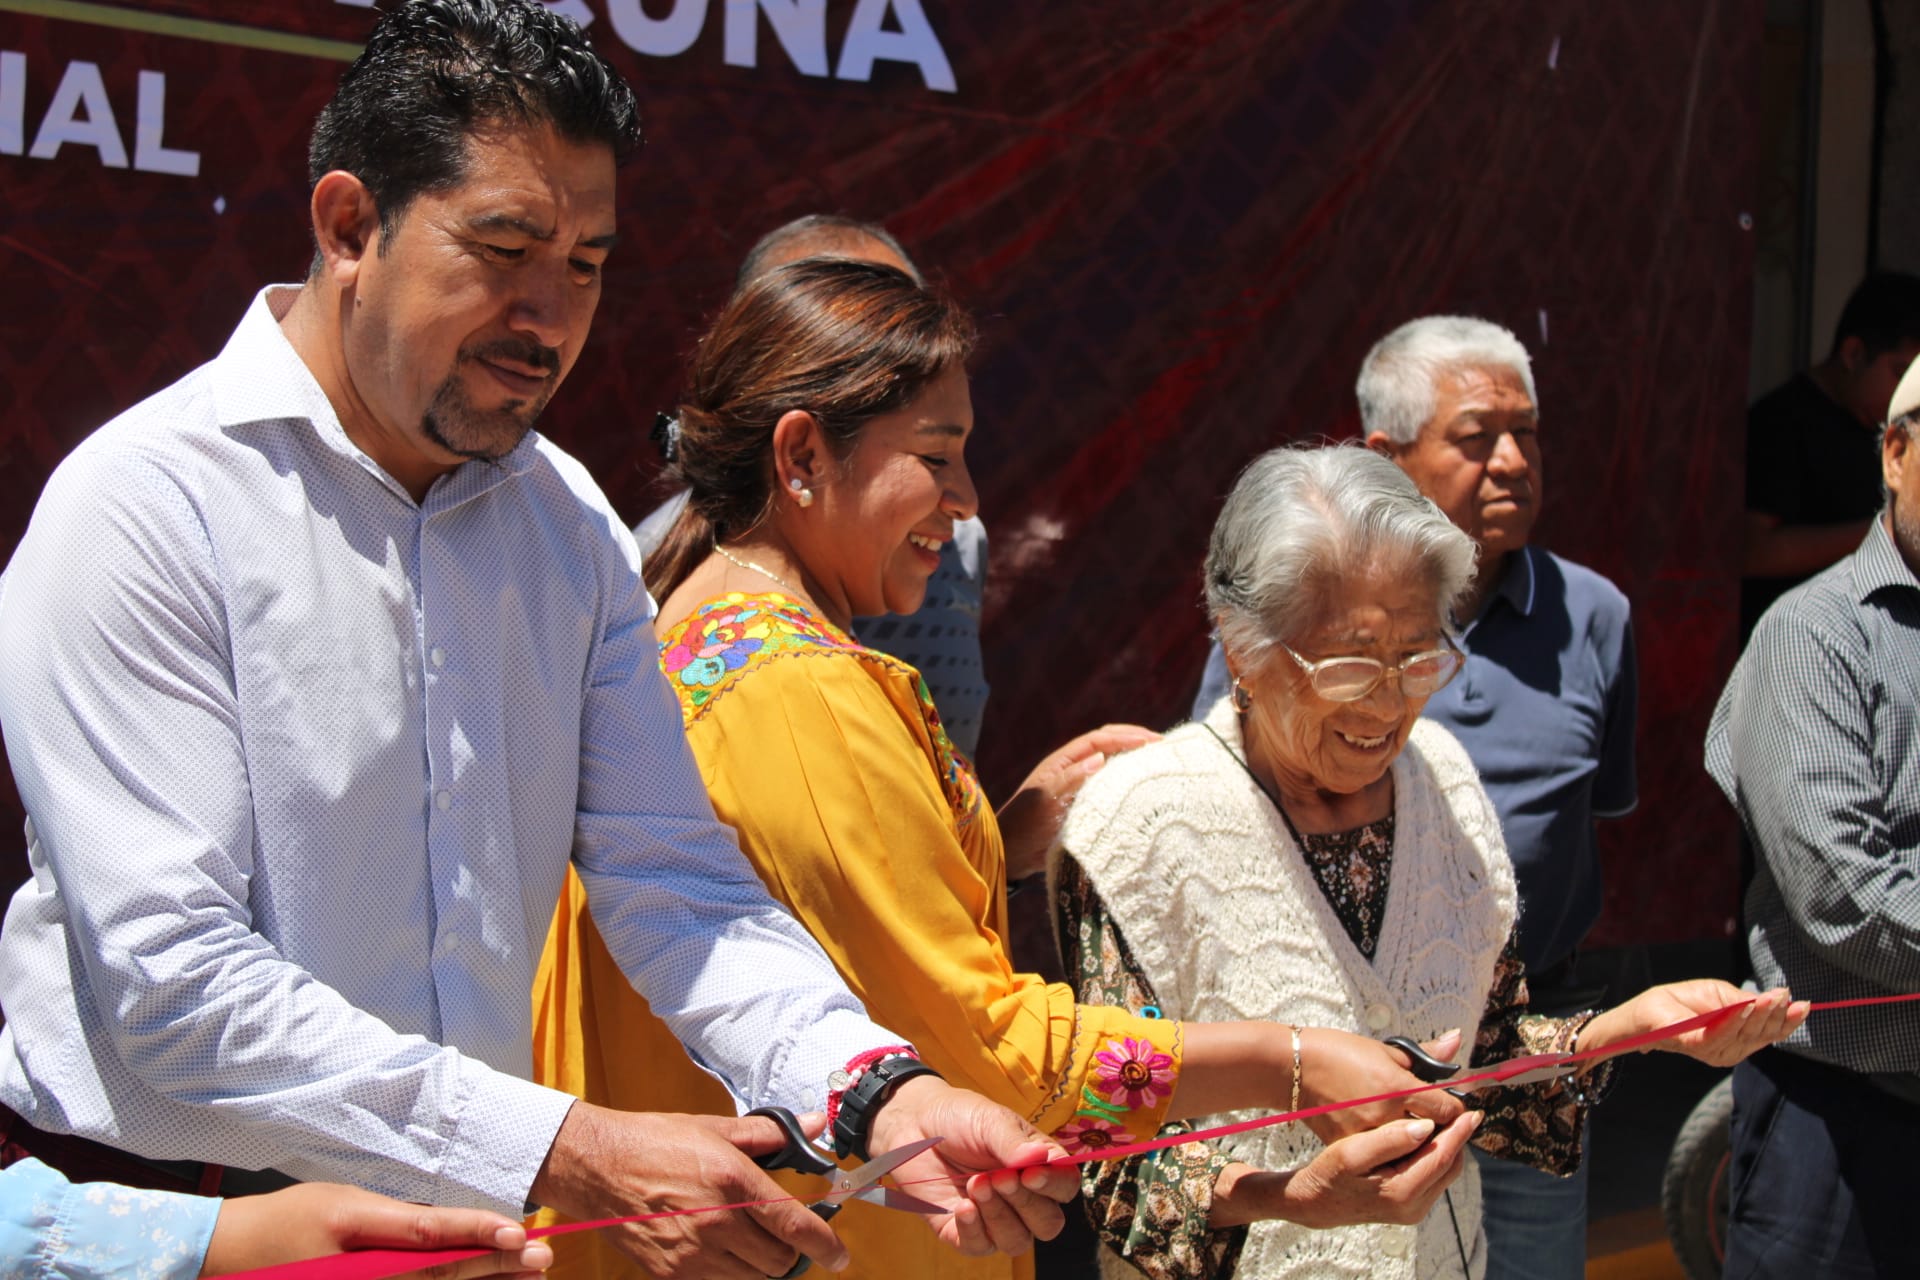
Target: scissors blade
(1530,1069)
(894,1198)
(851,1182)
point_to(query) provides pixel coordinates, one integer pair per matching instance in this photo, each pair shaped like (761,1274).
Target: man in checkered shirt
(1817,743)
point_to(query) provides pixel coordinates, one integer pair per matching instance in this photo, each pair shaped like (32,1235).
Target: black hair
(435,71)
(1883,311)
(826,227)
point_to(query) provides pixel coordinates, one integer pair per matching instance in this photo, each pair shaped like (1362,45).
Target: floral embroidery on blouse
(725,638)
(1133,1073)
(1153,1209)
(1126,1075)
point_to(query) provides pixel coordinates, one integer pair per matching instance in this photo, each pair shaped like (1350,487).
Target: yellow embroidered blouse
(830,762)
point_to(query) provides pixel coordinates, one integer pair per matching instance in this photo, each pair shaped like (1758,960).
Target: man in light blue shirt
(318,668)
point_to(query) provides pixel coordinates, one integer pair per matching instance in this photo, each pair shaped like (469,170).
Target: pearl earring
(801,494)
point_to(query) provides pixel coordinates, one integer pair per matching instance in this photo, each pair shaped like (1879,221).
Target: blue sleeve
(51,1229)
(1615,788)
(1213,682)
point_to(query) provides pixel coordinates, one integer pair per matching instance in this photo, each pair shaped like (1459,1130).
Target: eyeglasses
(1351,679)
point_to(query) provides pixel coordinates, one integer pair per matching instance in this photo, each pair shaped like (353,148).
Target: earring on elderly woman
(801,494)
(1241,698)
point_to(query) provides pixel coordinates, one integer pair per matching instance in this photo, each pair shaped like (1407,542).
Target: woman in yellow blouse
(822,440)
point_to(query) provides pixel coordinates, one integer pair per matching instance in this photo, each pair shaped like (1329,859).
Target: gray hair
(1396,379)
(817,235)
(1299,521)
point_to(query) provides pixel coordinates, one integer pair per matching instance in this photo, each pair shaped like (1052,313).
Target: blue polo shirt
(1545,708)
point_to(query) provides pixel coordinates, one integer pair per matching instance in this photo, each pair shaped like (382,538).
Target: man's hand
(1004,1213)
(1336,1065)
(1390,1174)
(318,1218)
(609,1164)
(1031,818)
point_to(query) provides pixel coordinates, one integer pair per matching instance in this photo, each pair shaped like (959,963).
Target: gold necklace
(763,571)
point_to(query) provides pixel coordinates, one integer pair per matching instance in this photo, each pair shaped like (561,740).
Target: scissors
(1529,1069)
(862,1183)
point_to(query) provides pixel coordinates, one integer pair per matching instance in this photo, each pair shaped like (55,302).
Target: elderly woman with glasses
(1316,854)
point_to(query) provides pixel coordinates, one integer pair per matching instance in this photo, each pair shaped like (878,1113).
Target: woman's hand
(1337,1065)
(1390,1174)
(315,1219)
(1030,820)
(1770,1018)
(991,1208)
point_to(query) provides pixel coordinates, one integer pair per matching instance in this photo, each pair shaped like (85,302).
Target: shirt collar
(1878,563)
(1516,587)
(259,377)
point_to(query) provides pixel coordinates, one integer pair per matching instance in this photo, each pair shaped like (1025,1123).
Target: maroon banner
(1182,225)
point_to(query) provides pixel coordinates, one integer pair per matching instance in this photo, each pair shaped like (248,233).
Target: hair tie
(666,435)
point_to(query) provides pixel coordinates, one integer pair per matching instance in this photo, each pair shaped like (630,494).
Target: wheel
(1694,1190)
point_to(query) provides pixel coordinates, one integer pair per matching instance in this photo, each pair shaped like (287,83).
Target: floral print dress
(1153,1208)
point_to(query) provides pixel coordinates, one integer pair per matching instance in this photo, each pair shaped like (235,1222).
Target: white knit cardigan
(1221,912)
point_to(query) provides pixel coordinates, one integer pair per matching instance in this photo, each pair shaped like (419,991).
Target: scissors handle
(800,1154)
(1424,1065)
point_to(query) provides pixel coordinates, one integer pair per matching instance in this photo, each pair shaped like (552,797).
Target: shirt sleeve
(51,1229)
(1536,1124)
(123,730)
(1150,1209)
(1214,681)
(832,786)
(1792,747)
(1616,789)
(741,984)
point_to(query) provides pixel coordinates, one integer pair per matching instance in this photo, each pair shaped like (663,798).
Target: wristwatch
(862,1100)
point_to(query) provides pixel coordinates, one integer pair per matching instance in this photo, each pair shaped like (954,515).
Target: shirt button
(1395,1241)
(437,656)
(444,801)
(1379,1017)
(449,942)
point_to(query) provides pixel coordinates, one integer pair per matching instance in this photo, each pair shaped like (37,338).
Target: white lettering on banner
(869,41)
(13,102)
(80,87)
(81,113)
(799,25)
(880,31)
(149,123)
(657,37)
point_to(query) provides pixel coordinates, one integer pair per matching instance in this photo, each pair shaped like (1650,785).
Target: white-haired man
(1545,704)
(1813,742)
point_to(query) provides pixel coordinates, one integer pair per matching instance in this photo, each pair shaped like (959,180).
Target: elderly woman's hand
(1337,1065)
(1390,1174)
(1770,1018)
(1031,819)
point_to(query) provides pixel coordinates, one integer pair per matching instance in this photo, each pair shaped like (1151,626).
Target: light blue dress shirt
(304,763)
(52,1229)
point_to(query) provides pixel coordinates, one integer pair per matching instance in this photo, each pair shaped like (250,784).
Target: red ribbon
(378,1264)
